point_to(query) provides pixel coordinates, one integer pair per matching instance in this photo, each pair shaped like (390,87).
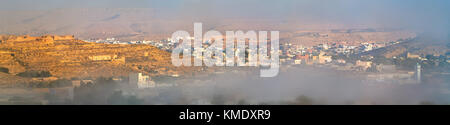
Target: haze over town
(118,52)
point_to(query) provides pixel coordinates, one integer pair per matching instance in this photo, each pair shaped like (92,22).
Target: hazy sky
(428,15)
(336,10)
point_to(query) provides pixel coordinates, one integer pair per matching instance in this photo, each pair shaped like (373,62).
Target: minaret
(418,73)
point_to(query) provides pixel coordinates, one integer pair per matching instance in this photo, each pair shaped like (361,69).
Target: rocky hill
(67,57)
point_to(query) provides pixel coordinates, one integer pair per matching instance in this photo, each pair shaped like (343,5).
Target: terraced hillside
(67,57)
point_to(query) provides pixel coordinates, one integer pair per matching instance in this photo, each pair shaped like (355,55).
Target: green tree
(116,99)
(35,74)
(303,100)
(4,70)
(218,99)
(426,103)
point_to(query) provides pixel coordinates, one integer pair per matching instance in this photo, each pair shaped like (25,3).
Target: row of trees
(51,84)
(4,70)
(35,74)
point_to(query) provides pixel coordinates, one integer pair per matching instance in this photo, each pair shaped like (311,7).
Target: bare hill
(67,57)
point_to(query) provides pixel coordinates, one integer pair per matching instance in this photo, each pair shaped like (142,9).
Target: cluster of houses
(164,44)
(320,55)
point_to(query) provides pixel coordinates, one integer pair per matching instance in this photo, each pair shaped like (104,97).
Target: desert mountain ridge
(68,57)
(150,24)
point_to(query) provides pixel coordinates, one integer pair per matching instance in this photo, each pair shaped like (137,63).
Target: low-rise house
(297,61)
(386,68)
(412,56)
(141,81)
(363,64)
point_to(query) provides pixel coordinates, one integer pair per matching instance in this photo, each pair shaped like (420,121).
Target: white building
(418,73)
(142,81)
(110,39)
(297,61)
(368,47)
